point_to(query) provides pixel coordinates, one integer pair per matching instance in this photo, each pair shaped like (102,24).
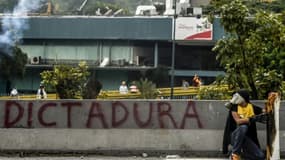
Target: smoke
(14,24)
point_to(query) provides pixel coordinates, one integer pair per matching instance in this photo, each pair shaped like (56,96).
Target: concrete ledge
(154,142)
(159,127)
(110,139)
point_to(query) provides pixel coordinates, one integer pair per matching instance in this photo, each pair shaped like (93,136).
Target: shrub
(68,81)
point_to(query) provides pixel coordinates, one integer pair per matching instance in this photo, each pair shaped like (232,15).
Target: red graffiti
(137,116)
(41,115)
(98,114)
(9,105)
(30,115)
(115,106)
(90,114)
(191,115)
(69,106)
(165,112)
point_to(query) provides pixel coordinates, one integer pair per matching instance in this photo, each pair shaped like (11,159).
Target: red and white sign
(192,28)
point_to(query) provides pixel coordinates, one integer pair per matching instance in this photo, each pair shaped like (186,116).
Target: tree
(159,76)
(92,88)
(12,65)
(146,88)
(68,81)
(6,6)
(251,48)
(276,6)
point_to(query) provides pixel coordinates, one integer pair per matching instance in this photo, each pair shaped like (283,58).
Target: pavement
(106,158)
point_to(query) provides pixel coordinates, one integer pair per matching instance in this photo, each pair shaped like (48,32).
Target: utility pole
(173,51)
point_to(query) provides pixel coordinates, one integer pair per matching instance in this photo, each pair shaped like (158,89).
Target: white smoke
(13,24)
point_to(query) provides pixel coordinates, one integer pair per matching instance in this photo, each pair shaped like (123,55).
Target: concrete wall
(128,125)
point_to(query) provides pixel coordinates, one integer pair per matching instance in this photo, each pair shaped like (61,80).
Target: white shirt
(14,92)
(133,89)
(123,89)
(44,94)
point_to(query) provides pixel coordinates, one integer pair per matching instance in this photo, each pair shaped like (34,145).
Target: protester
(123,88)
(240,130)
(41,94)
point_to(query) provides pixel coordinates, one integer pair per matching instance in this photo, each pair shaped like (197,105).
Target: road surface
(105,158)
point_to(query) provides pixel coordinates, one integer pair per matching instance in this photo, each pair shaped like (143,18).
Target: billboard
(193,28)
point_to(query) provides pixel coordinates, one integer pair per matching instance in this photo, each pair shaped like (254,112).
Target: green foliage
(271,81)
(13,66)
(214,7)
(147,89)
(252,48)
(92,89)
(159,76)
(68,81)
(275,6)
(215,92)
(7,5)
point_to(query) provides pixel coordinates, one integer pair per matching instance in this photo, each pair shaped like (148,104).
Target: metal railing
(162,93)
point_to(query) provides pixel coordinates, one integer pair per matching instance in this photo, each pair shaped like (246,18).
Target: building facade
(120,48)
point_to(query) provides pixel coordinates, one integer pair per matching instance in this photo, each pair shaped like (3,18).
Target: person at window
(41,94)
(241,127)
(14,93)
(185,84)
(133,88)
(123,88)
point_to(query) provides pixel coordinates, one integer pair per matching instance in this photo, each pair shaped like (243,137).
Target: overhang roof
(77,27)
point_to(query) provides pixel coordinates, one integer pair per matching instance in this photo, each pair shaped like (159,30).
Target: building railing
(162,93)
(37,61)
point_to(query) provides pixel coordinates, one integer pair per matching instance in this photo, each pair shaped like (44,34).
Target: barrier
(117,126)
(163,93)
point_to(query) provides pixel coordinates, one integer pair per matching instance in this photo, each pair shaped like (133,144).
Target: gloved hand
(262,118)
(228,105)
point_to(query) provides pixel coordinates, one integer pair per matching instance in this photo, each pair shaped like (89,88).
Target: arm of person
(239,120)
(258,110)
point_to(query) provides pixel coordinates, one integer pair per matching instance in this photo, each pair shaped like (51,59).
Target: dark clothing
(244,93)
(231,126)
(42,93)
(239,139)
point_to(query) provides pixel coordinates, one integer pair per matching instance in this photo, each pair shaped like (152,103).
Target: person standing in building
(14,93)
(123,88)
(41,94)
(185,84)
(196,81)
(134,88)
